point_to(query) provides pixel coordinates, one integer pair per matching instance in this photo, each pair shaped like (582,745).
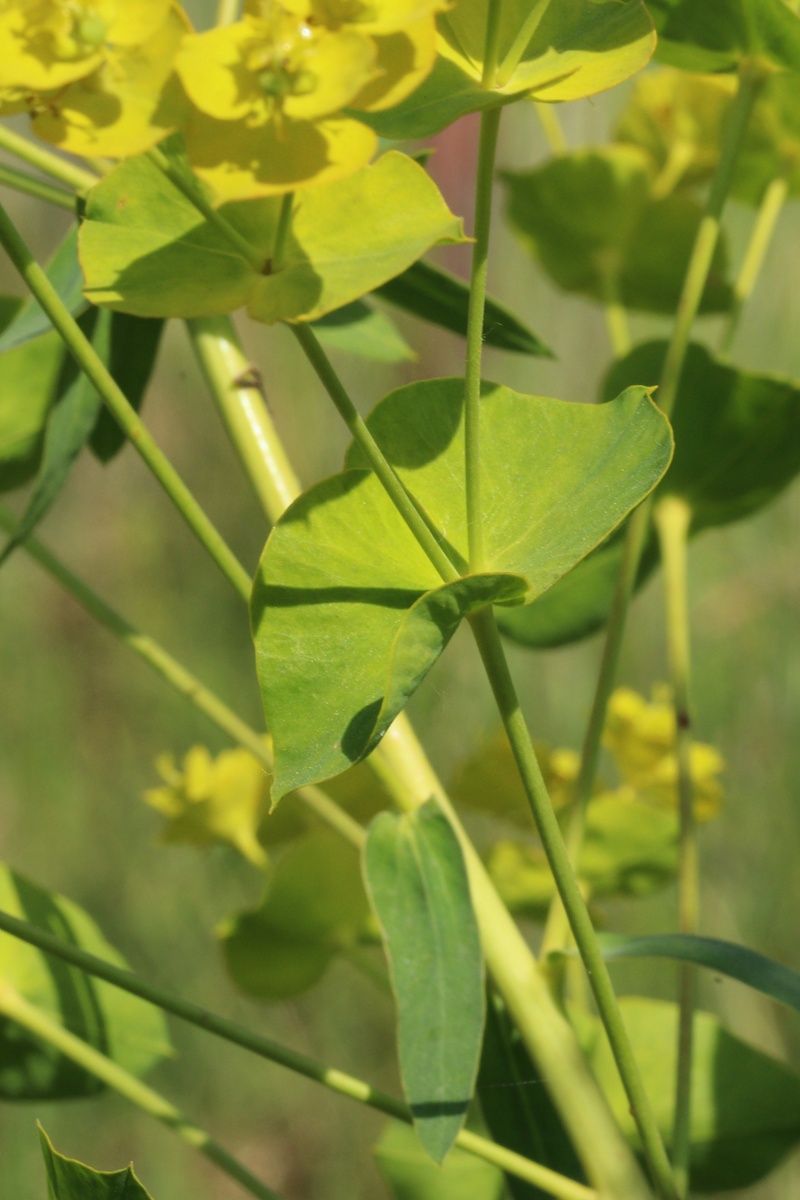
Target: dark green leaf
(29,377)
(359,329)
(718,35)
(442,299)
(68,1179)
(132,351)
(121,1026)
(64,272)
(411,1175)
(418,885)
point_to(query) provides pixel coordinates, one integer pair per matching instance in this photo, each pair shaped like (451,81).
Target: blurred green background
(81,721)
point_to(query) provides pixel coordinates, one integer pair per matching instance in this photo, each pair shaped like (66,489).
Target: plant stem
(14,1007)
(373,453)
(237,388)
(491,43)
(487,636)
(616,317)
(518,47)
(338,1081)
(192,190)
(126,417)
(673,518)
(44,160)
(548,119)
(282,232)
(490,124)
(769,210)
(186,684)
(227,12)
(29,185)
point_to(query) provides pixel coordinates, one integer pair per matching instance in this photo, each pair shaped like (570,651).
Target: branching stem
(44,160)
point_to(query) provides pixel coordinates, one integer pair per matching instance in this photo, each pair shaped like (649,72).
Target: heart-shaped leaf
(68,1179)
(349,614)
(124,1028)
(719,35)
(418,885)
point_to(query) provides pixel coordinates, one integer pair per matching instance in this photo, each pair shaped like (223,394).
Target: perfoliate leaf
(418,885)
(718,35)
(410,1174)
(343,578)
(68,1179)
(124,1028)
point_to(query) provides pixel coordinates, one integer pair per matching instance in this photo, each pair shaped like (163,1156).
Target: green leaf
(590,219)
(488,781)
(146,250)
(410,1174)
(132,351)
(725,958)
(719,35)
(68,1179)
(68,428)
(442,299)
(314,907)
(64,273)
(578,48)
(772,145)
(418,885)
(349,615)
(29,377)
(516,1104)
(359,329)
(737,447)
(745,1106)
(121,1026)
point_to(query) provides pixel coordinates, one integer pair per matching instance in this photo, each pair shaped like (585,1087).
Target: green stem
(44,160)
(236,386)
(616,317)
(15,1008)
(487,636)
(38,188)
(338,1081)
(551,125)
(186,684)
(769,210)
(401,763)
(191,189)
(126,417)
(373,453)
(521,42)
(282,232)
(490,124)
(673,518)
(491,43)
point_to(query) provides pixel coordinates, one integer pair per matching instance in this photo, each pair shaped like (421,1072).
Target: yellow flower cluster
(260,102)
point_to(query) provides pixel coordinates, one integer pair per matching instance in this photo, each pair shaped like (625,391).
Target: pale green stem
(679,157)
(186,684)
(237,388)
(15,1008)
(337,1081)
(616,317)
(518,47)
(487,636)
(373,453)
(228,12)
(672,518)
(282,232)
(490,123)
(638,525)
(401,763)
(44,160)
(191,189)
(491,43)
(124,414)
(38,188)
(769,210)
(548,119)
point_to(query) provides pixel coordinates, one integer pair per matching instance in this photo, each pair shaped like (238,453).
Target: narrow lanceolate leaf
(132,350)
(718,35)
(576,49)
(68,1179)
(439,298)
(121,1026)
(418,884)
(64,273)
(737,447)
(348,613)
(29,377)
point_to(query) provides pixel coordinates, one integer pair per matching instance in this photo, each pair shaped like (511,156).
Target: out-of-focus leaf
(359,329)
(68,1179)
(64,273)
(439,298)
(488,780)
(132,351)
(745,1106)
(124,1028)
(410,1174)
(418,885)
(590,219)
(314,907)
(718,35)
(343,578)
(28,380)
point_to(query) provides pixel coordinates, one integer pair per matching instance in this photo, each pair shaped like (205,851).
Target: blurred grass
(81,722)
